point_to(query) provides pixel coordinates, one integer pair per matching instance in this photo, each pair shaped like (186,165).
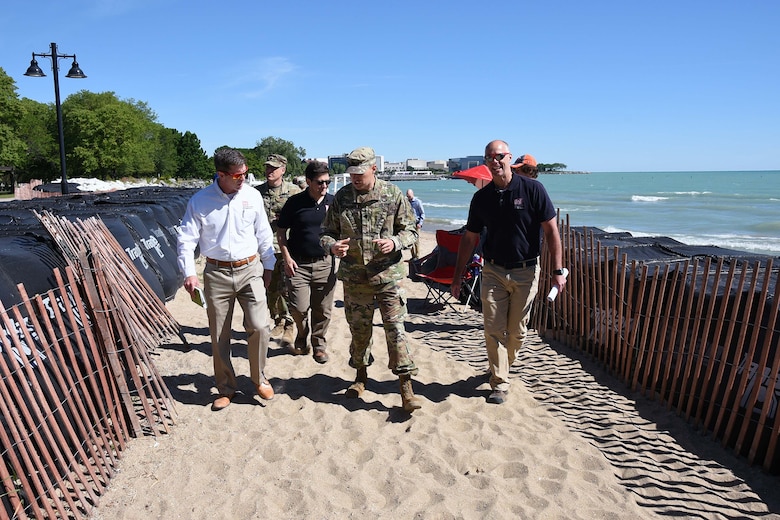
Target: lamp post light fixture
(75,72)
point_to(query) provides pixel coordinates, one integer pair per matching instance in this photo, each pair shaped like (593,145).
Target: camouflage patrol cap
(360,160)
(276,160)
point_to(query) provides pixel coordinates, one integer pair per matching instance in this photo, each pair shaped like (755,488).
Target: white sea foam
(647,198)
(693,193)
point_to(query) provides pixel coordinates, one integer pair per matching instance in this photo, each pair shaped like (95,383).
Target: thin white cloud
(263,75)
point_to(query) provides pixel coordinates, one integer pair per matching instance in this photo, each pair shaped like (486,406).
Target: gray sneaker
(497,396)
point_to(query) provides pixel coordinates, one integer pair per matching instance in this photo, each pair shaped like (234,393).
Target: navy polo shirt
(513,218)
(303,216)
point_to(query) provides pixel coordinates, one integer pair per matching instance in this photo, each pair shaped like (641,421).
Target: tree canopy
(552,167)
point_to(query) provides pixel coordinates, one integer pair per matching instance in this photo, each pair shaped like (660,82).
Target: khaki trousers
(311,291)
(223,287)
(507,297)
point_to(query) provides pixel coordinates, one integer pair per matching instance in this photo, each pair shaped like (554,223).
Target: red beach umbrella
(479,176)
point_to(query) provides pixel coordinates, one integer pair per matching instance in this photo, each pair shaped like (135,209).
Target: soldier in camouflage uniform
(368,225)
(275,191)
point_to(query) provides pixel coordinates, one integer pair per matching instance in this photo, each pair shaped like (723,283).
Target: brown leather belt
(236,263)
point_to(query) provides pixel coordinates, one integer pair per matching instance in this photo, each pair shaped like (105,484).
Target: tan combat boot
(278,329)
(288,335)
(357,388)
(410,401)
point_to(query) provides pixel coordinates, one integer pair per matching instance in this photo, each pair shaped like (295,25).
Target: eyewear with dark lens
(497,156)
(237,176)
(323,183)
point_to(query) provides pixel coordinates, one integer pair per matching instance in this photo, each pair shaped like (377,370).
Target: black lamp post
(75,72)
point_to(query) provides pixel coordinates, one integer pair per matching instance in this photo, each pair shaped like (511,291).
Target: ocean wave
(445,223)
(693,193)
(581,209)
(647,198)
(439,205)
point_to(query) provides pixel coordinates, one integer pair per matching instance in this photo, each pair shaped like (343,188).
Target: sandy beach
(571,442)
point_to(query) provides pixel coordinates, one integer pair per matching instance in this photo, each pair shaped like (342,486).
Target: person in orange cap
(526,165)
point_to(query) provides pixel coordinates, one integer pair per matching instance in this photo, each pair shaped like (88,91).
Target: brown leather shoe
(265,390)
(223,401)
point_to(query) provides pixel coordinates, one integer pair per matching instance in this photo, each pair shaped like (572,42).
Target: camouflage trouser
(359,302)
(277,294)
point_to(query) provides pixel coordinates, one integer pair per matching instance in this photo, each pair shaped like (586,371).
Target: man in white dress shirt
(228,222)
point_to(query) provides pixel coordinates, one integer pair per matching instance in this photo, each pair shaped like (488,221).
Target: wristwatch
(558,271)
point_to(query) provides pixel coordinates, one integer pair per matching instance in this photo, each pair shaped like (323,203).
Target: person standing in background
(515,211)
(368,225)
(275,191)
(526,165)
(227,220)
(419,217)
(310,270)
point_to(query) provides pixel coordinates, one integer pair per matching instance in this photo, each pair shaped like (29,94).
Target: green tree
(12,147)
(552,167)
(107,137)
(193,161)
(257,156)
(38,129)
(166,160)
(339,168)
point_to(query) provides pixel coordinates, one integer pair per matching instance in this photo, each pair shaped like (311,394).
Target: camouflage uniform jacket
(274,199)
(382,212)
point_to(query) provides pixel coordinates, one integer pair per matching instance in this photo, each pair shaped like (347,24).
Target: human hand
(385,245)
(290,267)
(339,249)
(455,287)
(190,283)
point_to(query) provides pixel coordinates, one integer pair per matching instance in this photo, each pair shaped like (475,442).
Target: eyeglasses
(236,176)
(496,156)
(323,183)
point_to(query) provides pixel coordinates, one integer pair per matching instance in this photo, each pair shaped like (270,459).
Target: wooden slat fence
(76,378)
(698,334)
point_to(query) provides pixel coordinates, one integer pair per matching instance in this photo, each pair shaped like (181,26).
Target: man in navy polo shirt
(515,211)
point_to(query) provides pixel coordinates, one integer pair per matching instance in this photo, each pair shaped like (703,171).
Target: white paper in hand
(554,291)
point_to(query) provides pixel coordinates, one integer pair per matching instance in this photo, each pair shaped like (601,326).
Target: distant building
(437,165)
(342,159)
(464,163)
(416,164)
(391,167)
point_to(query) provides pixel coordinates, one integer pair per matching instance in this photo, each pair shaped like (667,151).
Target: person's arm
(265,243)
(289,264)
(187,241)
(468,242)
(553,241)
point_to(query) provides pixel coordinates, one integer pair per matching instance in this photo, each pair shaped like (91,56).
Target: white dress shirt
(227,228)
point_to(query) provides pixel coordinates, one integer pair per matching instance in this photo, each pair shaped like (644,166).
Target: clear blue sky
(616,85)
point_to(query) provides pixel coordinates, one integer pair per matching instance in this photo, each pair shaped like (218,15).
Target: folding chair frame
(439,280)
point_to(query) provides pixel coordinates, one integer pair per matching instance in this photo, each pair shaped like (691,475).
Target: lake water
(735,210)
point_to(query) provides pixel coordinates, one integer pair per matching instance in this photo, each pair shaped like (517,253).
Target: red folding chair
(439,280)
